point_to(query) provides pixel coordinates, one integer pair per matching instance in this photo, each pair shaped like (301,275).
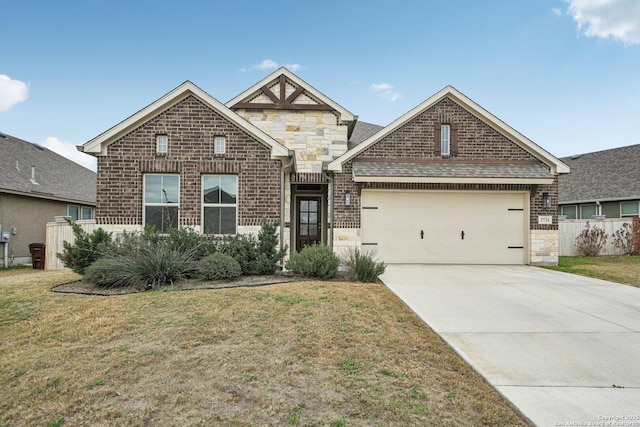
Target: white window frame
(445,139)
(217,205)
(219,145)
(144,195)
(569,206)
(162,143)
(629,215)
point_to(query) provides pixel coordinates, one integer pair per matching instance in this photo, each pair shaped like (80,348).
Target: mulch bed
(84,288)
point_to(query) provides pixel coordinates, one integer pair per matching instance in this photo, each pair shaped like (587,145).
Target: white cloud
(293,67)
(267,64)
(68,150)
(615,19)
(385,90)
(12,92)
(556,11)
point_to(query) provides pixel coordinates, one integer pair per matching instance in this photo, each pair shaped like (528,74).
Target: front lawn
(302,353)
(620,269)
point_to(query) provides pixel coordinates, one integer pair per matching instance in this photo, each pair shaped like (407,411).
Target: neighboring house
(603,183)
(37,185)
(447,182)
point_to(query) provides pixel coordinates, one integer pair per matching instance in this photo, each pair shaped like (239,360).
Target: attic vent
(17,165)
(2,135)
(39,147)
(576,157)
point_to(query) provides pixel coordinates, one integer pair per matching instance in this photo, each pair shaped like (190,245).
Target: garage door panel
(427,227)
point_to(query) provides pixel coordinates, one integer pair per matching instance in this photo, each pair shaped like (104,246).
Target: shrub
(255,256)
(185,239)
(268,256)
(316,261)
(625,239)
(591,240)
(148,266)
(362,267)
(218,266)
(86,248)
(242,248)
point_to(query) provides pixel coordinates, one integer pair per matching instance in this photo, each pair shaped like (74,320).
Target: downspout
(282,194)
(330,179)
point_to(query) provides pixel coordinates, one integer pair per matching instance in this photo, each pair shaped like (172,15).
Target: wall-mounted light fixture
(347,198)
(546,200)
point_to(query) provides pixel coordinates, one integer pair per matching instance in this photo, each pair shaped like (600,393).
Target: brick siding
(415,140)
(191,127)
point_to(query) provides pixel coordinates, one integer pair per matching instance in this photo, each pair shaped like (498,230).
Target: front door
(309,222)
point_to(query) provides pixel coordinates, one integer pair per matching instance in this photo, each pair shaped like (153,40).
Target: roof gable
(555,164)
(283,90)
(97,146)
(55,177)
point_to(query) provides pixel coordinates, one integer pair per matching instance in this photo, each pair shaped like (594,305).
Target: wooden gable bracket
(282,102)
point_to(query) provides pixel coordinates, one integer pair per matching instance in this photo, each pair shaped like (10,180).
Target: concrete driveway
(564,349)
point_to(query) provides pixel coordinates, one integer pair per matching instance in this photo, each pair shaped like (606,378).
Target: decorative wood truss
(281,101)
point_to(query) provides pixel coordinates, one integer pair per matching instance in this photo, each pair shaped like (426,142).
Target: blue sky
(565,73)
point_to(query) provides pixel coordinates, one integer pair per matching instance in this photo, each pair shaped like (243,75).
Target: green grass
(229,357)
(620,269)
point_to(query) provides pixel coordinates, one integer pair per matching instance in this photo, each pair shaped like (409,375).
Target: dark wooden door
(308,222)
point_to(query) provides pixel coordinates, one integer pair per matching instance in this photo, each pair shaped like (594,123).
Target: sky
(565,73)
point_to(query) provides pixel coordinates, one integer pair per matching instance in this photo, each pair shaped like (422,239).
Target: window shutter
(437,146)
(454,139)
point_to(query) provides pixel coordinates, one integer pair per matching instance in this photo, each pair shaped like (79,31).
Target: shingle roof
(601,176)
(57,177)
(361,132)
(521,171)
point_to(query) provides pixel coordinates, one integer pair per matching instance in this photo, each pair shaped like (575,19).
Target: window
(73,212)
(219,204)
(162,143)
(570,211)
(219,143)
(588,211)
(87,212)
(161,197)
(628,209)
(445,139)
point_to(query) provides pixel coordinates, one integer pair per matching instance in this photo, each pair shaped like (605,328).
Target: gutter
(291,157)
(330,179)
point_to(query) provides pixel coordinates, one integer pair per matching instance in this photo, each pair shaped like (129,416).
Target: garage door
(445,227)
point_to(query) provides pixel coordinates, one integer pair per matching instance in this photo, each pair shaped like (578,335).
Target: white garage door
(445,227)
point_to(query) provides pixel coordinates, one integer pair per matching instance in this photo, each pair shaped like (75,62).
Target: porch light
(546,200)
(347,198)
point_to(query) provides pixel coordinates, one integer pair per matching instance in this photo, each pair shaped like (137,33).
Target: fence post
(636,235)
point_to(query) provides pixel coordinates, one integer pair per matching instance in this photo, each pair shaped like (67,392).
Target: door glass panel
(304,206)
(304,230)
(304,218)
(313,206)
(313,230)
(313,218)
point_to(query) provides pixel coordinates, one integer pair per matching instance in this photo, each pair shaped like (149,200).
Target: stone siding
(544,247)
(315,136)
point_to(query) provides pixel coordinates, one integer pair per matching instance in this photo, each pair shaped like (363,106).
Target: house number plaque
(547,219)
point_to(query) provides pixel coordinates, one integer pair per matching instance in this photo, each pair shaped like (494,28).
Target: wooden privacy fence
(568,230)
(58,232)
